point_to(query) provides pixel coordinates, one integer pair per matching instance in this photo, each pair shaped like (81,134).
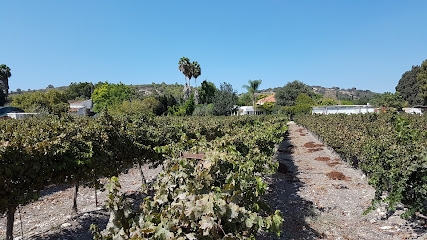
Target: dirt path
(322,197)
(51,218)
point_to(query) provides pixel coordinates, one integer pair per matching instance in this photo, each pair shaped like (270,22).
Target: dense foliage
(422,81)
(224,100)
(389,148)
(207,92)
(287,95)
(81,90)
(218,197)
(52,101)
(409,87)
(4,77)
(108,94)
(389,100)
(3,95)
(38,152)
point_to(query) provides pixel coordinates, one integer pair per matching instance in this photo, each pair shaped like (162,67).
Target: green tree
(252,88)
(304,99)
(269,107)
(326,102)
(52,101)
(3,96)
(135,107)
(225,99)
(4,78)
(287,95)
(107,94)
(409,87)
(186,68)
(388,99)
(244,99)
(165,101)
(81,90)
(422,81)
(207,92)
(203,110)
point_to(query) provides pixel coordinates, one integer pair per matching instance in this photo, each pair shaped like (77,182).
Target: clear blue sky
(362,44)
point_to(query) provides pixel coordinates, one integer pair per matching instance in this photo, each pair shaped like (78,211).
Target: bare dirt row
(322,197)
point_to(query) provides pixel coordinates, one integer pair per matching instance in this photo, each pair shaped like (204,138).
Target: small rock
(373,220)
(65,225)
(396,220)
(386,228)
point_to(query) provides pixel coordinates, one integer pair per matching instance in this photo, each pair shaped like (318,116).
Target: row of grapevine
(390,148)
(218,197)
(39,152)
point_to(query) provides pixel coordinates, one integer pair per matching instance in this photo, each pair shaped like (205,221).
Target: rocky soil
(322,197)
(51,216)
(319,195)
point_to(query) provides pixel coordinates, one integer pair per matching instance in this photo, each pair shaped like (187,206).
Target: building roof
(5,110)
(420,106)
(76,101)
(344,106)
(270,98)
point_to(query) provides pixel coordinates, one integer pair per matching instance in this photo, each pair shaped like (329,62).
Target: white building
(250,110)
(81,107)
(346,109)
(415,109)
(21,115)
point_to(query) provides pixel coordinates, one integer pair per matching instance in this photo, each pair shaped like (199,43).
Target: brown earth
(322,197)
(51,216)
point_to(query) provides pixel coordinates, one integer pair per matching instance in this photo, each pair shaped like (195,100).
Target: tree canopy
(388,99)
(252,87)
(422,81)
(287,95)
(207,92)
(108,94)
(225,99)
(4,77)
(52,101)
(409,88)
(81,90)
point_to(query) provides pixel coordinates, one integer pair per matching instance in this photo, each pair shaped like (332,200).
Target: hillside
(334,92)
(176,91)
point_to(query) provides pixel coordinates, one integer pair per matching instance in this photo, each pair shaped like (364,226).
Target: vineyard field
(390,148)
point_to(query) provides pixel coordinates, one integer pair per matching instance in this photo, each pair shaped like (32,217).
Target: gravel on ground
(322,197)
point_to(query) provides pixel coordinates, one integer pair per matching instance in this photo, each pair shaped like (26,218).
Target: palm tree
(185,68)
(4,76)
(252,88)
(196,72)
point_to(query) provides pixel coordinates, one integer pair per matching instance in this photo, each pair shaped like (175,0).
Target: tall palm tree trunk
(196,93)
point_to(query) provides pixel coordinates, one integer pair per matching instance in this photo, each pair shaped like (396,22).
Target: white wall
(346,109)
(21,115)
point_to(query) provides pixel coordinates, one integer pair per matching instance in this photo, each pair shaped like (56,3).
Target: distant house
(81,107)
(346,109)
(267,99)
(21,115)
(5,110)
(415,109)
(250,110)
(15,113)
